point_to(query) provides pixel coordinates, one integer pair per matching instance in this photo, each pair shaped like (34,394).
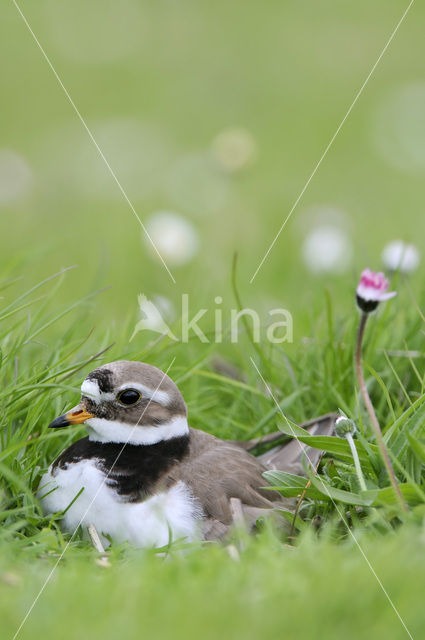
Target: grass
(316,583)
(318,590)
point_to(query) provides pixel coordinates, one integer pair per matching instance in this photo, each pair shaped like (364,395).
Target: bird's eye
(129,396)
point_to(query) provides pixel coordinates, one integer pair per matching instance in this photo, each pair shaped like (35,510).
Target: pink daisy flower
(371,290)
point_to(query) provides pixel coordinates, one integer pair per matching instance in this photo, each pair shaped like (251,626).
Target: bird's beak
(77,415)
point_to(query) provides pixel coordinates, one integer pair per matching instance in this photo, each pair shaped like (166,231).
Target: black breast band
(132,470)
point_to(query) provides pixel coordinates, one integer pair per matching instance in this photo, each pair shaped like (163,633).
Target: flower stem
(356,461)
(372,414)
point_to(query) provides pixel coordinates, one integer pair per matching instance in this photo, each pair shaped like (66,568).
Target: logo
(277,327)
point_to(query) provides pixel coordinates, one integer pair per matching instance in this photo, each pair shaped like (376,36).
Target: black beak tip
(58,423)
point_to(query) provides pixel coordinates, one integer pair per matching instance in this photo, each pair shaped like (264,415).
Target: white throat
(101,430)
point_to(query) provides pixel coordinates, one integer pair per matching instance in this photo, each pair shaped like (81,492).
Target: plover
(144,476)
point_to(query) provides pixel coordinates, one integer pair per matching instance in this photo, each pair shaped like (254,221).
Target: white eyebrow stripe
(91,389)
(155,395)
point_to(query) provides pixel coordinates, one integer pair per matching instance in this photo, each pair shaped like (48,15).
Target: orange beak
(77,415)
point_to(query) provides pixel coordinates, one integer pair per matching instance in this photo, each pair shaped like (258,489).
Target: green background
(156,82)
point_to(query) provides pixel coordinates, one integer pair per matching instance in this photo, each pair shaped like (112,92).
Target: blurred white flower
(399,127)
(15,176)
(137,152)
(194,184)
(325,214)
(400,256)
(234,149)
(175,237)
(327,248)
(94,32)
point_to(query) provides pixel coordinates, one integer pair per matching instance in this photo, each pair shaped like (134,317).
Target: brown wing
(293,455)
(216,471)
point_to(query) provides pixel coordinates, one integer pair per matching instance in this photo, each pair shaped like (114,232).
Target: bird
(142,475)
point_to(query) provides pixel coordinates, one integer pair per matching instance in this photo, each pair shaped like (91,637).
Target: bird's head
(128,402)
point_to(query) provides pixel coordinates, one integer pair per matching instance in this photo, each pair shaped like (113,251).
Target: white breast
(150,523)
